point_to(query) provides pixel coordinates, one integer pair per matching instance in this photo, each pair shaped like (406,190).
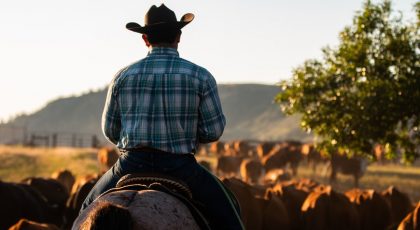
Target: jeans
(221,211)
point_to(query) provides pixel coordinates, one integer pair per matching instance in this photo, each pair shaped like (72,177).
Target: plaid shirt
(163,102)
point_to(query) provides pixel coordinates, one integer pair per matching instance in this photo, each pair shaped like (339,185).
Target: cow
(274,212)
(265,148)
(399,202)
(374,211)
(303,184)
(282,155)
(203,150)
(276,175)
(107,156)
(51,190)
(326,209)
(251,215)
(246,148)
(24,224)
(355,166)
(217,148)
(228,165)
(412,220)
(228,149)
(251,170)
(18,200)
(292,199)
(379,152)
(65,177)
(74,203)
(313,156)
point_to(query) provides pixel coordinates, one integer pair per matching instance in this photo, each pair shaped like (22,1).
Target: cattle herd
(260,174)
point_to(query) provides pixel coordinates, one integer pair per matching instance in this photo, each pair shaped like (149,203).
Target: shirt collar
(163,51)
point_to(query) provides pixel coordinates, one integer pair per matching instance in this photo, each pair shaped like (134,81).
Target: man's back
(164,102)
(163,106)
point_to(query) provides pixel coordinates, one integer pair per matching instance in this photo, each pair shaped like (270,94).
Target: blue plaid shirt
(163,102)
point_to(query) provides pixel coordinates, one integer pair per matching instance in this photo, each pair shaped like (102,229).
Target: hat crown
(158,18)
(161,14)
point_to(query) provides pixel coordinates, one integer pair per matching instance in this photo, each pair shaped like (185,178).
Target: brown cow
(19,201)
(228,165)
(251,214)
(274,212)
(303,184)
(54,193)
(282,155)
(80,191)
(65,177)
(412,220)
(292,199)
(355,166)
(107,156)
(379,152)
(25,224)
(52,190)
(246,148)
(326,209)
(265,148)
(313,156)
(251,170)
(373,209)
(229,149)
(276,175)
(203,150)
(217,148)
(399,202)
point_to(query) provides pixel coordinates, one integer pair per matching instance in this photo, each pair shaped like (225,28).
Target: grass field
(17,163)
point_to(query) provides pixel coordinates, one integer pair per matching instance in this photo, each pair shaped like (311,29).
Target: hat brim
(135,27)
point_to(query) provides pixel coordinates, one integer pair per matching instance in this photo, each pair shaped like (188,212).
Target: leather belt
(145,149)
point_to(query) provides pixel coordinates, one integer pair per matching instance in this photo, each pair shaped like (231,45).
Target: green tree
(365,91)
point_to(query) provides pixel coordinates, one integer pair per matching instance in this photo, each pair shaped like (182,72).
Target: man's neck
(164,45)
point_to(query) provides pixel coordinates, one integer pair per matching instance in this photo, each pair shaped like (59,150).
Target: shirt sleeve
(211,121)
(111,117)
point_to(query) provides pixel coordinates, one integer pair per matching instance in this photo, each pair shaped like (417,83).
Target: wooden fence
(13,135)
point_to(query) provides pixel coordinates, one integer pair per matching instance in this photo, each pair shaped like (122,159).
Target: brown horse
(152,206)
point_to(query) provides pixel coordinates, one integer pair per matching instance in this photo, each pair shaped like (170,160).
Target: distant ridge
(249,110)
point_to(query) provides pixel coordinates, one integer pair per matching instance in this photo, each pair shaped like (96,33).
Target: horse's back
(149,209)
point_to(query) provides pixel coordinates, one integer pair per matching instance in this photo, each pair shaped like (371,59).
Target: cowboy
(158,110)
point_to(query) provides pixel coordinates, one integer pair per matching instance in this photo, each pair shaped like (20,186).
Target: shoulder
(122,74)
(196,70)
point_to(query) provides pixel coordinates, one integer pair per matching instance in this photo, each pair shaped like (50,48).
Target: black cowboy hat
(160,17)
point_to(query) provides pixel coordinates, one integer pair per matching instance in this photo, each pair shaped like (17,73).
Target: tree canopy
(365,91)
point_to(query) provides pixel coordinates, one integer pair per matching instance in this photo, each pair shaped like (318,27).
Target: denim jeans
(221,211)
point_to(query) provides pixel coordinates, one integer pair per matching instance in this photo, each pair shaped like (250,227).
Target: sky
(51,49)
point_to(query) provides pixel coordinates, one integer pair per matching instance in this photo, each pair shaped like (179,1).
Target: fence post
(54,140)
(73,140)
(25,135)
(95,141)
(80,142)
(32,140)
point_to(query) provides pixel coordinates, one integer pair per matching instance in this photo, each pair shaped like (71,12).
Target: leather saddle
(166,184)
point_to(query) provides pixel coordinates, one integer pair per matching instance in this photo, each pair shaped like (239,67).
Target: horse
(144,202)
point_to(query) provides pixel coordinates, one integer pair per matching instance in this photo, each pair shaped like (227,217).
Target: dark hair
(108,216)
(163,35)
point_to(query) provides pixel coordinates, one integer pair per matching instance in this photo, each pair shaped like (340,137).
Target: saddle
(166,184)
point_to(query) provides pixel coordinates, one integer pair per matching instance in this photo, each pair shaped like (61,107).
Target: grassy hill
(249,110)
